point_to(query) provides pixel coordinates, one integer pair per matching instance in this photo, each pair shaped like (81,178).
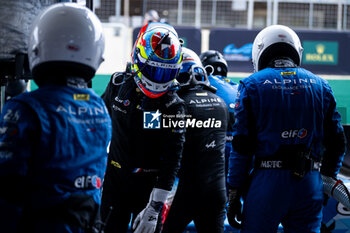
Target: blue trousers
(275,197)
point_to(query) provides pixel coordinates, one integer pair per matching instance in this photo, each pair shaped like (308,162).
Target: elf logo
(87,182)
(292,133)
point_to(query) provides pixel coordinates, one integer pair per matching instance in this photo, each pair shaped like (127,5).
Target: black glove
(234,208)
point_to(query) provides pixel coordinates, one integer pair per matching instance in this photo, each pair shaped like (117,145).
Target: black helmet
(214,63)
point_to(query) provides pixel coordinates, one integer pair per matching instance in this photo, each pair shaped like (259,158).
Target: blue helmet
(192,71)
(156,59)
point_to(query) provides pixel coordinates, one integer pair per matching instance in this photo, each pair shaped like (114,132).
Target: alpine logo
(88,182)
(292,133)
(208,100)
(211,145)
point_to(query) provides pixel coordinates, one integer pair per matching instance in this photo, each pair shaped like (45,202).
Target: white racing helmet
(275,41)
(66,37)
(151,16)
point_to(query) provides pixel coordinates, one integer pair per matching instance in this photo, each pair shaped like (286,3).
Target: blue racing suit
(282,116)
(53,154)
(227,90)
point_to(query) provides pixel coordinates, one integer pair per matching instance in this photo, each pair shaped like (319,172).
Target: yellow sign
(288,73)
(320,52)
(81,97)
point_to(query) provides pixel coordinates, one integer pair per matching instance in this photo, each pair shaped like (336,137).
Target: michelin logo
(151,120)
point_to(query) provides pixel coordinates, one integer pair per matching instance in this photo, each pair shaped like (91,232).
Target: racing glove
(146,220)
(234,208)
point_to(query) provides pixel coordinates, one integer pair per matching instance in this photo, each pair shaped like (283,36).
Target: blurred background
(329,16)
(230,27)
(322,14)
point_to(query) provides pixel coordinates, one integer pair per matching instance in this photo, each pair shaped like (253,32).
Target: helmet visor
(196,75)
(152,89)
(157,71)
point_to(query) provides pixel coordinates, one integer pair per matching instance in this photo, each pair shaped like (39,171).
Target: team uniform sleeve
(334,139)
(18,131)
(238,170)
(174,139)
(243,142)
